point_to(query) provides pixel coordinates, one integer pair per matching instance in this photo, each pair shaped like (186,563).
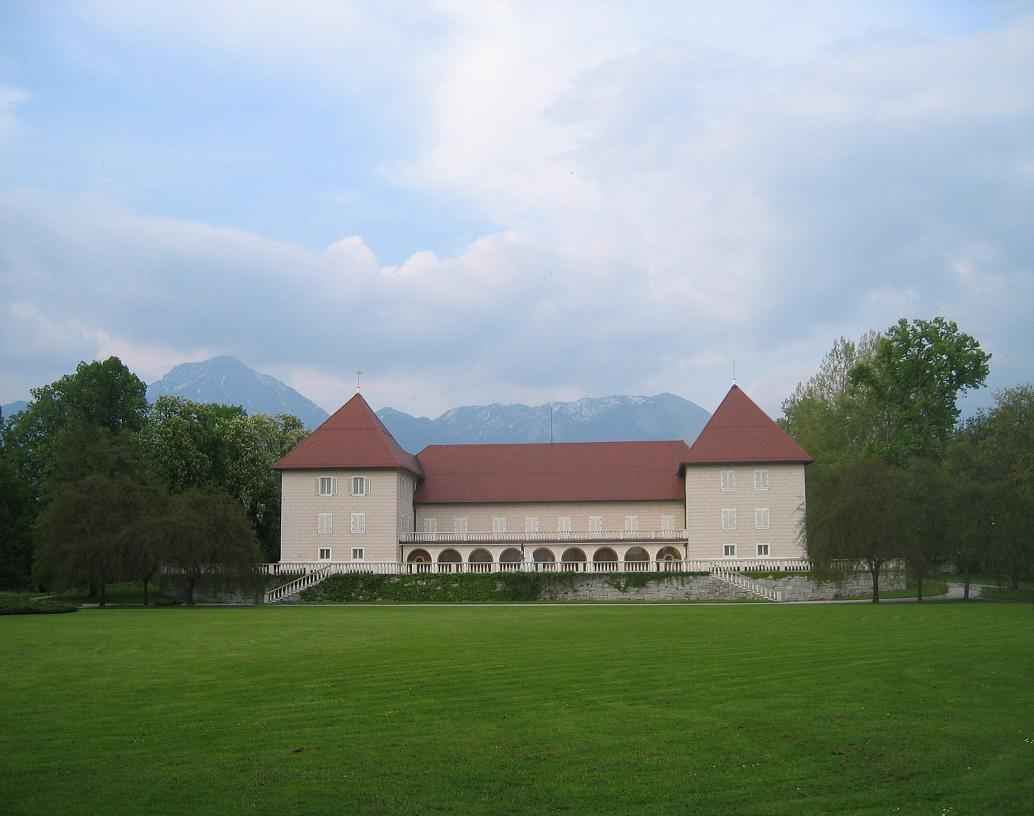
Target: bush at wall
(506,586)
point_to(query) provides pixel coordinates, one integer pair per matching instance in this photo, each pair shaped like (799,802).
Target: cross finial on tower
(734,371)
(358,374)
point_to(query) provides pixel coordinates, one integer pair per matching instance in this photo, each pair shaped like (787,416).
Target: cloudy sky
(491,202)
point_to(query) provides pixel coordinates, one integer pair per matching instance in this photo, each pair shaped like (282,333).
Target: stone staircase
(740,581)
(297,585)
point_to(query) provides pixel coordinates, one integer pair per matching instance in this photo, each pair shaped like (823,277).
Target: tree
(911,386)
(994,458)
(212,543)
(856,512)
(188,441)
(99,487)
(199,444)
(926,490)
(825,414)
(259,442)
(99,395)
(16,518)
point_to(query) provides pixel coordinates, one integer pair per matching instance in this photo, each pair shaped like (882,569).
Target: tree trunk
(190,583)
(145,591)
(919,587)
(101,595)
(874,571)
(965,586)
(93,591)
(1014,581)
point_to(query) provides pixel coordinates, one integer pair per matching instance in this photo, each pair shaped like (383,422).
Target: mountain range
(228,381)
(593,419)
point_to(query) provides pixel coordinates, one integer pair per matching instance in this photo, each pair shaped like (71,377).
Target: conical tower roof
(740,432)
(353,437)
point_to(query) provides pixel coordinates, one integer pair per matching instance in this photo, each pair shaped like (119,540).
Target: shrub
(22,603)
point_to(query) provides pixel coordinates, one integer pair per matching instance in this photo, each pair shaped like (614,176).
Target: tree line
(100,486)
(897,475)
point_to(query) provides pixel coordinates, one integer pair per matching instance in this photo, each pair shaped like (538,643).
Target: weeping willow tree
(857,512)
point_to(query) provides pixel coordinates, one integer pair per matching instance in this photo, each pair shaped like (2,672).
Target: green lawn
(747,708)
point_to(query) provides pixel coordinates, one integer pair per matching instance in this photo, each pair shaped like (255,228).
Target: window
(358,523)
(729,519)
(358,554)
(326,486)
(360,485)
(499,524)
(459,525)
(324,553)
(531,524)
(430,525)
(631,523)
(729,551)
(668,523)
(728,480)
(324,523)
(762,550)
(761,518)
(563,524)
(761,480)
(596,523)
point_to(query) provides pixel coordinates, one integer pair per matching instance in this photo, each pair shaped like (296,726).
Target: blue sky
(495,202)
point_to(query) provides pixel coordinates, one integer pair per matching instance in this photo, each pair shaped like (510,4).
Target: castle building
(352,497)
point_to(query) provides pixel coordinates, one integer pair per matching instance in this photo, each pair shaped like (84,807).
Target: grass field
(746,708)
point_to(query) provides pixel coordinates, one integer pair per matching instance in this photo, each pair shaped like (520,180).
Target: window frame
(460,524)
(322,557)
(358,553)
(498,524)
(358,524)
(631,524)
(765,554)
(324,524)
(728,481)
(563,524)
(431,525)
(761,479)
(668,524)
(596,524)
(331,481)
(728,551)
(531,524)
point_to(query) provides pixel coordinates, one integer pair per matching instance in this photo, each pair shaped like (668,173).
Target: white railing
(297,585)
(405,568)
(558,536)
(737,579)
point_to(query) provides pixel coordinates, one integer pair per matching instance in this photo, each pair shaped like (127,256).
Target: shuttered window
(729,519)
(761,518)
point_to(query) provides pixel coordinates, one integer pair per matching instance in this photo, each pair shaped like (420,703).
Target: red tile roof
(739,431)
(587,471)
(353,437)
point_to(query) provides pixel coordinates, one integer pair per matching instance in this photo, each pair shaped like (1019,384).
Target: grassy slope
(624,710)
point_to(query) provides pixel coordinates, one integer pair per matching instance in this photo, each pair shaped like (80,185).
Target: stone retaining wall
(657,587)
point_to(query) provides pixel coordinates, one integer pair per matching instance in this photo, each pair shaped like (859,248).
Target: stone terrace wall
(805,588)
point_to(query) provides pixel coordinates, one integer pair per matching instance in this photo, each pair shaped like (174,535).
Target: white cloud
(671,189)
